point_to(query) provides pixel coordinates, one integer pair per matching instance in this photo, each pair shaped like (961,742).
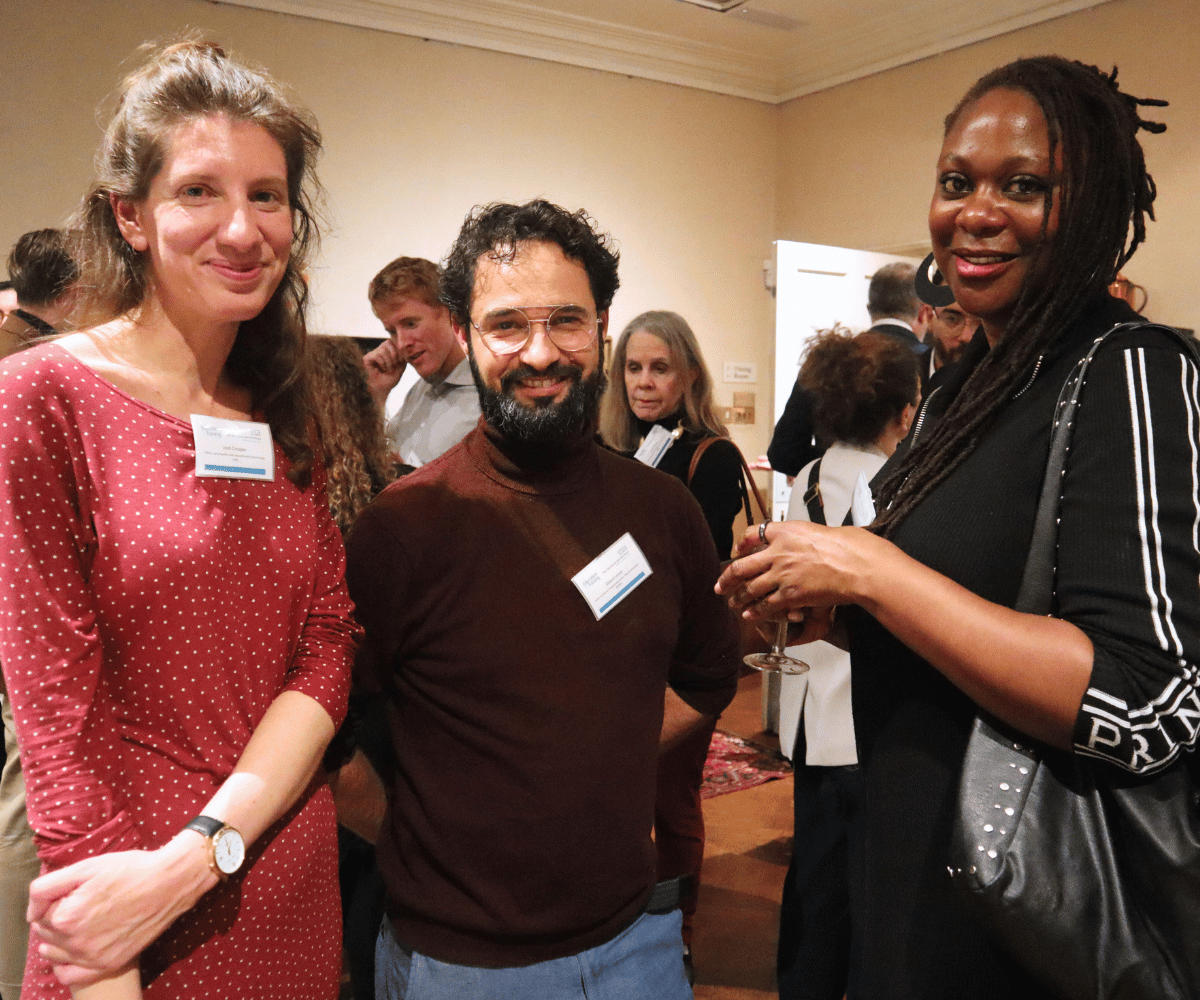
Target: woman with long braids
(1041,196)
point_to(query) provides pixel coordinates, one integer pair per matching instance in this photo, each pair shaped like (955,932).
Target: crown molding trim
(799,84)
(523,30)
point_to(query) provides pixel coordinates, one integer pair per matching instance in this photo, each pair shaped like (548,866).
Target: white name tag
(655,446)
(609,578)
(233,449)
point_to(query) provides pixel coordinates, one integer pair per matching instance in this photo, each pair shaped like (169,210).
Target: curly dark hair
(348,427)
(498,230)
(180,83)
(859,384)
(41,266)
(1105,196)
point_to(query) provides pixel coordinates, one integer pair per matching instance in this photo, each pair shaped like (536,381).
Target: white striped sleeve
(1129,552)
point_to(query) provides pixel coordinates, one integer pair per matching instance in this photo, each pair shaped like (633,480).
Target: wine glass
(777,661)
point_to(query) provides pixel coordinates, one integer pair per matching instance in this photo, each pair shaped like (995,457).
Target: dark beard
(547,423)
(943,355)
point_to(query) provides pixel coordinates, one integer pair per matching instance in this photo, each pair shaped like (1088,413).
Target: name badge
(233,449)
(609,578)
(654,446)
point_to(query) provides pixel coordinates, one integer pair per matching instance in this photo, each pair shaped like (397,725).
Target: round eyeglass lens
(506,331)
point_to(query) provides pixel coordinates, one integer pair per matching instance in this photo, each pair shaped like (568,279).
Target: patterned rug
(734,764)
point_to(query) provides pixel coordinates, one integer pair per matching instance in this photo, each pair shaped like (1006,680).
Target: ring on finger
(762,532)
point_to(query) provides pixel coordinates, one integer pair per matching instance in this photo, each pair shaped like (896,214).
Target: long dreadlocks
(1105,194)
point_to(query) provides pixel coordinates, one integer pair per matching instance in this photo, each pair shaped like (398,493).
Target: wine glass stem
(781,637)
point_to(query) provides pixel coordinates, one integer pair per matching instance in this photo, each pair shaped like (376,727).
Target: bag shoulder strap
(702,446)
(749,488)
(812,496)
(1036,595)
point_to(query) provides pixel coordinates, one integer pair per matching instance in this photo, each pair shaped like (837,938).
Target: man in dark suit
(895,310)
(894,307)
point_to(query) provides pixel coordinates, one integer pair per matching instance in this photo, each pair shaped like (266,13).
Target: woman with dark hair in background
(865,391)
(1041,196)
(176,635)
(661,387)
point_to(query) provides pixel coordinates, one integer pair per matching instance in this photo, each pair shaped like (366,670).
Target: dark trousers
(363,902)
(813,961)
(678,818)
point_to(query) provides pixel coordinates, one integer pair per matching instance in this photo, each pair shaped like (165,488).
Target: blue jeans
(643,962)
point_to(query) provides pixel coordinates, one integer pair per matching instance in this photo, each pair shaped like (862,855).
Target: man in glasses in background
(540,619)
(951,329)
(439,410)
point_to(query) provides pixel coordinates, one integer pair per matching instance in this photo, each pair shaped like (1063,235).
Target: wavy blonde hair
(618,426)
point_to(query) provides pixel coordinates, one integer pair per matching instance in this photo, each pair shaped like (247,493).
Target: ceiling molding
(522,30)
(798,84)
(534,32)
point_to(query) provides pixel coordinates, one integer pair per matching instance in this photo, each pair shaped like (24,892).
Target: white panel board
(818,286)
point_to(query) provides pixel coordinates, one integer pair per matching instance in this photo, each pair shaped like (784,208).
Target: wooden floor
(749,839)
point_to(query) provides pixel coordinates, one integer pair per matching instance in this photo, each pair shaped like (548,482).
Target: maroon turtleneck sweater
(525,731)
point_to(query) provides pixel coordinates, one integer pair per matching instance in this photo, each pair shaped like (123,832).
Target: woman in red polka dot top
(174,626)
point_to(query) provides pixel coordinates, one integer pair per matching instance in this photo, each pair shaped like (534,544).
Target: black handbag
(1087,875)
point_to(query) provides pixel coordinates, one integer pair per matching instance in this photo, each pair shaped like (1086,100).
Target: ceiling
(765,50)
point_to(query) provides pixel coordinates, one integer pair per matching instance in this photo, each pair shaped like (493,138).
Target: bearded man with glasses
(540,619)
(950,328)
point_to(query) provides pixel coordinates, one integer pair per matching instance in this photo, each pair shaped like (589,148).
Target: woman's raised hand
(803,566)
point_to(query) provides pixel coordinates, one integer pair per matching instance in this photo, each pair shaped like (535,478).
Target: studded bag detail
(1086,874)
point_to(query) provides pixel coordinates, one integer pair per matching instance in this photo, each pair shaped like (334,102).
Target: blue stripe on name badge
(234,468)
(622,592)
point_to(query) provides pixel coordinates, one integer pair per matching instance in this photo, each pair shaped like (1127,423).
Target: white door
(816,287)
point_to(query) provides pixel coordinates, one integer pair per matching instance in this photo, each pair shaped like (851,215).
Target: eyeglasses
(951,317)
(506,331)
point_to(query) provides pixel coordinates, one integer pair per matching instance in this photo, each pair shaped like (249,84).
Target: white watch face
(228,850)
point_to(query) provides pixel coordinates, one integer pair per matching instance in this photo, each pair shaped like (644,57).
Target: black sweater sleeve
(1128,562)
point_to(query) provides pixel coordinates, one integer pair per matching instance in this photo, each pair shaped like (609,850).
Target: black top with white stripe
(1128,575)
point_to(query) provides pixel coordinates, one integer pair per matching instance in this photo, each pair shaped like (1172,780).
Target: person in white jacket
(866,390)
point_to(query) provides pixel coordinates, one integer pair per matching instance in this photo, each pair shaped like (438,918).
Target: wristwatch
(226,849)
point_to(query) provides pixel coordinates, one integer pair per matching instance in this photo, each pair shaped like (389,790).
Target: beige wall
(694,186)
(856,162)
(416,134)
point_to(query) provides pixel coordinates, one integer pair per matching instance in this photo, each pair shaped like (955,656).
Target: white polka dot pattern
(147,620)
